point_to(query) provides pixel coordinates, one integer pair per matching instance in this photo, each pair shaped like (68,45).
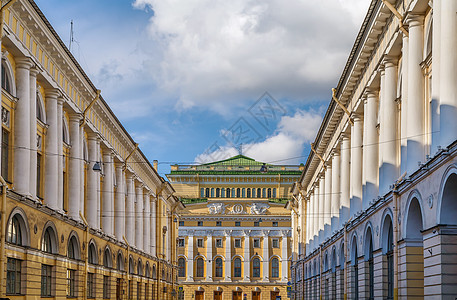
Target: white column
(51,166)
(356,165)
(336,182)
(404,104)
(139,217)
(284,257)
(119,204)
(190,257)
(266,256)
(345,178)
(130,210)
(107,193)
(74,178)
(415,113)
(22,128)
(209,255)
(370,147)
(321,207)
(153,226)
(311,222)
(389,127)
(92,182)
(82,166)
(316,214)
(99,202)
(247,258)
(307,215)
(60,157)
(147,222)
(33,134)
(448,72)
(435,89)
(328,200)
(228,257)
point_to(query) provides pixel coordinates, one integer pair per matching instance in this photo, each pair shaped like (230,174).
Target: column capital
(228,232)
(24,63)
(413,20)
(93,136)
(389,61)
(75,117)
(345,136)
(34,71)
(52,93)
(371,93)
(357,117)
(247,233)
(266,233)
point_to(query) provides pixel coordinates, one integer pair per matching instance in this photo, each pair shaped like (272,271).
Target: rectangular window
(130,292)
(218,243)
(181,243)
(91,285)
(106,287)
(71,283)
(5,154)
(13,276)
(256,224)
(237,243)
(199,243)
(200,223)
(138,290)
(38,175)
(46,276)
(256,243)
(181,223)
(218,223)
(275,243)
(237,224)
(275,224)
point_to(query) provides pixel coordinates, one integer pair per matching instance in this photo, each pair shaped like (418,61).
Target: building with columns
(377,197)
(234,234)
(83,212)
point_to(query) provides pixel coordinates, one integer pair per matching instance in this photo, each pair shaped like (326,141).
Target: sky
(201,80)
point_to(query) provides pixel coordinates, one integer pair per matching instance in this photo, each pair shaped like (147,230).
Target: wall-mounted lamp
(97,167)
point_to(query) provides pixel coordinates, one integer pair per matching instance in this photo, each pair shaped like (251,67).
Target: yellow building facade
(83,212)
(234,233)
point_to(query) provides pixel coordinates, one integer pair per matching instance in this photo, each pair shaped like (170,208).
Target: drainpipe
(97,96)
(3,230)
(86,266)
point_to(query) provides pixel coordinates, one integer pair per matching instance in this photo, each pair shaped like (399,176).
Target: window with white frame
(199,243)
(181,242)
(218,243)
(237,243)
(256,243)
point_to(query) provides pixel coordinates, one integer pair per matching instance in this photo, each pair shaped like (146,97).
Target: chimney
(155,163)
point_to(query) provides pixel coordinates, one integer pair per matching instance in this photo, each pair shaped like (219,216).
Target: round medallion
(237,208)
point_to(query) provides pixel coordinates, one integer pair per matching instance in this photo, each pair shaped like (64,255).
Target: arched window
(370,267)
(73,248)
(48,242)
(233,193)
(147,273)
(238,192)
(107,259)
(140,268)
(275,268)
(92,257)
(269,193)
(181,267)
(228,193)
(14,233)
(237,267)
(264,193)
(207,192)
(131,266)
(202,192)
(120,262)
(40,109)
(243,193)
(259,193)
(6,84)
(200,267)
(212,192)
(248,192)
(274,192)
(256,267)
(355,270)
(253,193)
(218,192)
(223,193)
(154,272)
(218,267)
(390,263)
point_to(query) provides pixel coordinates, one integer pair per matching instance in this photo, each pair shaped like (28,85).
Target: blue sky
(182,75)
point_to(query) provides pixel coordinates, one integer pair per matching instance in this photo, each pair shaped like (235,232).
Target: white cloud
(222,52)
(284,146)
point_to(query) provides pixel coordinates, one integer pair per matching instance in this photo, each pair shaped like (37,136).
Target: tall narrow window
(269,193)
(256,267)
(274,193)
(181,267)
(13,276)
(370,269)
(259,193)
(46,273)
(237,267)
(5,153)
(275,268)
(202,192)
(106,287)
(228,193)
(390,264)
(238,192)
(243,193)
(5,80)
(218,267)
(200,267)
(355,277)
(90,285)
(46,243)
(38,175)
(14,235)
(248,193)
(223,192)
(218,192)
(71,283)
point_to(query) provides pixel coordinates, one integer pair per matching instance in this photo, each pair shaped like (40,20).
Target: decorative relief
(259,208)
(430,201)
(38,141)
(5,117)
(237,209)
(216,208)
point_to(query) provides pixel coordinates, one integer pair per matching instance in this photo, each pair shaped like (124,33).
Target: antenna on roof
(240,149)
(71,35)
